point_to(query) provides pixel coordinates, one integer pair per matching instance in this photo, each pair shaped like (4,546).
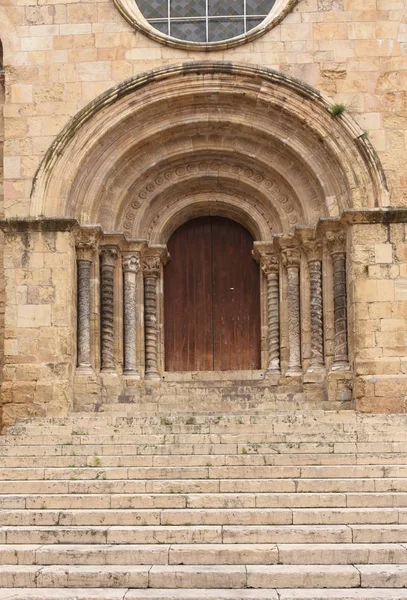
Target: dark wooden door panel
(188,299)
(211,298)
(236,298)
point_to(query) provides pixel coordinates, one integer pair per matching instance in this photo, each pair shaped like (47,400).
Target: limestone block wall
(378,303)
(2,299)
(39,268)
(61,54)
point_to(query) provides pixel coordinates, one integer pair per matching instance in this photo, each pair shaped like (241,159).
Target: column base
(84,370)
(272,376)
(152,377)
(315,374)
(340,366)
(294,372)
(131,374)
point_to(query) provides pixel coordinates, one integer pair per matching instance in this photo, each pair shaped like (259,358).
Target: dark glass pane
(252,23)
(188,8)
(153,9)
(223,30)
(259,7)
(161,26)
(193,31)
(226,8)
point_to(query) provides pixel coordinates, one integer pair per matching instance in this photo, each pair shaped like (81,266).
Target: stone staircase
(276,506)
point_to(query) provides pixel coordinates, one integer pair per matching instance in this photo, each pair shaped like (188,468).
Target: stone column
(84,265)
(108,257)
(336,245)
(313,249)
(270,266)
(151,272)
(291,259)
(131,266)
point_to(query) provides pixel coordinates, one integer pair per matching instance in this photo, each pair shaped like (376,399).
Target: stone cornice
(43,224)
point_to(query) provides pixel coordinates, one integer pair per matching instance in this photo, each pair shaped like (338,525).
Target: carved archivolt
(210,102)
(159,181)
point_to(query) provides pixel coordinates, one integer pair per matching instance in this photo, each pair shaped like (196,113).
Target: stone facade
(113,139)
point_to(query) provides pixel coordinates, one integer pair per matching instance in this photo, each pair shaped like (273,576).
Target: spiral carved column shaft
(317,319)
(270,266)
(83,338)
(107,257)
(151,274)
(273,322)
(131,266)
(340,310)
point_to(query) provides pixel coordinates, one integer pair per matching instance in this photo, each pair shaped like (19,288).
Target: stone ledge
(43,224)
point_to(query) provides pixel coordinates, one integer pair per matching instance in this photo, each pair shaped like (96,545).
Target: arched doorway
(211,298)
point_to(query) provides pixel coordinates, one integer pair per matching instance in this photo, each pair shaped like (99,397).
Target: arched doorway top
(213,109)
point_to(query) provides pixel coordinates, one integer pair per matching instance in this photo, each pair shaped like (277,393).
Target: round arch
(233,138)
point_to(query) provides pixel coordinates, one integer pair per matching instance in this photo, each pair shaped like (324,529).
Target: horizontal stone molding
(43,224)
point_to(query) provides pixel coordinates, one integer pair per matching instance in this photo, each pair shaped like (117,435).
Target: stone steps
(76,459)
(207,472)
(75,485)
(203,554)
(207,516)
(203,594)
(283,450)
(204,576)
(202,500)
(205,534)
(210,507)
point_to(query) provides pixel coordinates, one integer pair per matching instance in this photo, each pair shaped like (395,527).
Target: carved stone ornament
(269,262)
(131,262)
(151,266)
(131,266)
(336,242)
(108,256)
(313,250)
(86,241)
(317,315)
(84,308)
(291,256)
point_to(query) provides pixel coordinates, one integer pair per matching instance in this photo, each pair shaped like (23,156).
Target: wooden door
(211,298)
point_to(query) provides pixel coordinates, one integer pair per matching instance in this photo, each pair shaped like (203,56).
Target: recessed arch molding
(246,142)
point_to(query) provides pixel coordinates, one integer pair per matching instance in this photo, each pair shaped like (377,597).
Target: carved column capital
(291,256)
(151,266)
(269,262)
(131,262)
(336,242)
(86,242)
(108,256)
(313,250)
